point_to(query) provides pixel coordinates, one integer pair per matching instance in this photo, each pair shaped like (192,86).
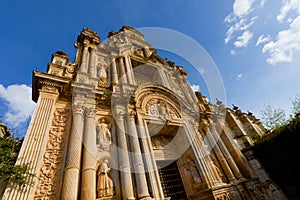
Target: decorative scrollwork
(51,168)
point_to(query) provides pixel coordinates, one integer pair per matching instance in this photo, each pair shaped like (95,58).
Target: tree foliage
(273,117)
(296,104)
(9,149)
(278,153)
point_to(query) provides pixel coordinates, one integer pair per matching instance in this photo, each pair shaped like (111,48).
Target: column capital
(78,109)
(131,114)
(90,112)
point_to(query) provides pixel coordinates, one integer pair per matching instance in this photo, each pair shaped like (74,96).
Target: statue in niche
(102,76)
(104,182)
(103,135)
(204,125)
(192,169)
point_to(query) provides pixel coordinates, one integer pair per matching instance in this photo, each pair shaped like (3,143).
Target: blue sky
(255,44)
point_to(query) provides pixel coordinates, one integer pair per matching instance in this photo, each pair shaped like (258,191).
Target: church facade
(122,123)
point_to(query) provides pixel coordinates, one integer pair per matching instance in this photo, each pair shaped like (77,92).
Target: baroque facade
(122,123)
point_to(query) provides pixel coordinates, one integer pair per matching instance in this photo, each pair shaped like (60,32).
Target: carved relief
(159,108)
(257,191)
(192,170)
(222,196)
(102,75)
(104,182)
(71,69)
(160,141)
(103,135)
(50,172)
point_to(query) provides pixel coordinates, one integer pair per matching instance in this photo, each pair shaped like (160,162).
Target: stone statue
(102,76)
(104,183)
(204,124)
(192,168)
(103,133)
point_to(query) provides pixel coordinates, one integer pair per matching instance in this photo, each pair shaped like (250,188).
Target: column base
(107,198)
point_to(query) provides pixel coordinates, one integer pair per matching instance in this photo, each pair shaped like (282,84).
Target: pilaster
(33,147)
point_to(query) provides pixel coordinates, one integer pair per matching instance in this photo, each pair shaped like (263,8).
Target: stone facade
(122,123)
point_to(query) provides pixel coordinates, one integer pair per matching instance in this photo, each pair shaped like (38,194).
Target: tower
(120,122)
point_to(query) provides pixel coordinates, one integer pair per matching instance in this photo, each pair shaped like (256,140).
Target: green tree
(273,117)
(18,174)
(296,104)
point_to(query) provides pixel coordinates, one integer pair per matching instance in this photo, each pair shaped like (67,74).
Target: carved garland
(52,159)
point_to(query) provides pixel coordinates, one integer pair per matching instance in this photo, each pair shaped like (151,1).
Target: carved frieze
(51,169)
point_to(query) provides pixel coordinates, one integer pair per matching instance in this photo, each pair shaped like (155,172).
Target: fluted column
(70,188)
(149,160)
(137,159)
(220,156)
(122,74)
(131,71)
(238,156)
(84,59)
(124,163)
(225,152)
(35,139)
(196,146)
(88,183)
(128,70)
(114,72)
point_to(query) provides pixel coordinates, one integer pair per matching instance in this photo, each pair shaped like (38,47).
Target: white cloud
(262,3)
(239,77)
(287,42)
(262,39)
(232,52)
(242,7)
(195,88)
(239,19)
(19,103)
(288,6)
(241,25)
(243,40)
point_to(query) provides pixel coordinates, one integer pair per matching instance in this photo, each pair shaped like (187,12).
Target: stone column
(84,59)
(124,163)
(114,72)
(224,150)
(70,188)
(149,161)
(153,161)
(196,145)
(35,139)
(122,74)
(92,63)
(131,69)
(137,159)
(220,156)
(88,183)
(128,71)
(238,156)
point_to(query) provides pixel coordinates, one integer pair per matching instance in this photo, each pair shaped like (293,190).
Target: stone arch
(151,94)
